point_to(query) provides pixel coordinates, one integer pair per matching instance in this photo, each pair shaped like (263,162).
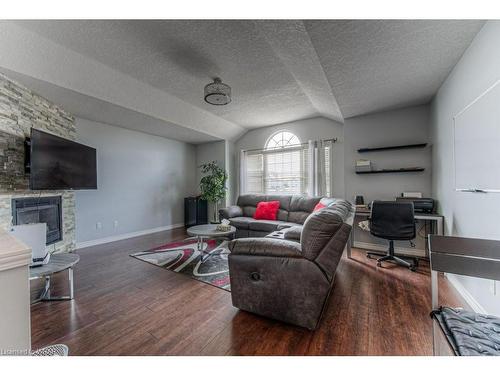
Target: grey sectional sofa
(294,210)
(283,276)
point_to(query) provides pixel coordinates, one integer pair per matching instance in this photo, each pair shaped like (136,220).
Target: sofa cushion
(301,207)
(342,207)
(327,201)
(302,203)
(293,233)
(264,225)
(287,224)
(284,200)
(267,210)
(241,222)
(256,233)
(319,206)
(248,203)
(248,211)
(284,205)
(231,211)
(250,199)
(318,231)
(298,217)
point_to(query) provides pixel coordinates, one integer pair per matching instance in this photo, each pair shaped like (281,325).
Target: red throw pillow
(318,207)
(267,210)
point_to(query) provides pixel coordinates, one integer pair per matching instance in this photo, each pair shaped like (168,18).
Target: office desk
(438,220)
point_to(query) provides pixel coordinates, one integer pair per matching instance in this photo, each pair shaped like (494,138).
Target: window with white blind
(279,168)
(287,166)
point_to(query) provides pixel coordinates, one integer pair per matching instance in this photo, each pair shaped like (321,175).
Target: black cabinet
(195,211)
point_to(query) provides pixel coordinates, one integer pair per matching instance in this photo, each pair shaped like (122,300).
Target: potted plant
(213,185)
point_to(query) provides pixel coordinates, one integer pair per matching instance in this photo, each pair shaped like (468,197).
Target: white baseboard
(471,301)
(124,236)
(382,248)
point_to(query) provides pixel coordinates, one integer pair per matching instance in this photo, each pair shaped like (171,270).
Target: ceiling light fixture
(217,93)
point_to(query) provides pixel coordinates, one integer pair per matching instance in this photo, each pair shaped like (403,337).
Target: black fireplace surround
(40,210)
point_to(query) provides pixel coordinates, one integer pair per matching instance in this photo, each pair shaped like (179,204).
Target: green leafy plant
(213,185)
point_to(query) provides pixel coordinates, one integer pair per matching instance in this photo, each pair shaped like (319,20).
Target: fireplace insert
(40,210)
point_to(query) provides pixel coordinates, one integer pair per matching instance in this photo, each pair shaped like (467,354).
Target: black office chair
(393,221)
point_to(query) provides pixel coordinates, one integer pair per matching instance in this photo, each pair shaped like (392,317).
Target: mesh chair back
(392,220)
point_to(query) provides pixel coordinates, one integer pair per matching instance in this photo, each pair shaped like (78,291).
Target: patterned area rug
(183,257)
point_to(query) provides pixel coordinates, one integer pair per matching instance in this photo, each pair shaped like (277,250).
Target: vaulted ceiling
(279,71)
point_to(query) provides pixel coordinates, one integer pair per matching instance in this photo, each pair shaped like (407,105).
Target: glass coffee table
(205,232)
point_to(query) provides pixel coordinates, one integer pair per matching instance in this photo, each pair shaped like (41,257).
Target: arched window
(282,139)
(284,170)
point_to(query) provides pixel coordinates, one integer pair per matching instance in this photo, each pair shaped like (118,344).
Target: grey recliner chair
(287,280)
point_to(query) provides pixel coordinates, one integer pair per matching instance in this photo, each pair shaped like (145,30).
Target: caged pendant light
(217,93)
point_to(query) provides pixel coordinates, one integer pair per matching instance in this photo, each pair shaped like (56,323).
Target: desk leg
(434,289)
(349,245)
(440,227)
(435,305)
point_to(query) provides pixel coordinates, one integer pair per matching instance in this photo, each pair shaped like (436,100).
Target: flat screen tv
(56,163)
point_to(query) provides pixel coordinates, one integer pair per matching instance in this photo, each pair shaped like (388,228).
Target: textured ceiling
(373,65)
(279,71)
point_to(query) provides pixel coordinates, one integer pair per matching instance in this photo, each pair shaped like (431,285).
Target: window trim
(282,147)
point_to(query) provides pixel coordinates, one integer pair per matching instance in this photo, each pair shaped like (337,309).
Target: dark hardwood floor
(124,306)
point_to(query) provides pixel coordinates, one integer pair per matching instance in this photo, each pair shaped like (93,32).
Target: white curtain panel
(325,168)
(243,172)
(311,171)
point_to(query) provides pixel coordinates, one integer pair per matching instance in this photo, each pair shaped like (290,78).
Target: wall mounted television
(55,163)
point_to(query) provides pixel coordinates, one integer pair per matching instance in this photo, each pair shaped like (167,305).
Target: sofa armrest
(231,211)
(265,247)
(290,289)
(292,233)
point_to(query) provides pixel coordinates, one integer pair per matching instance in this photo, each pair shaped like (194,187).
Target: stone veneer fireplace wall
(21,109)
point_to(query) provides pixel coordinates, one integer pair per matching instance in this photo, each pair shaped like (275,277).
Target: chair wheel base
(395,259)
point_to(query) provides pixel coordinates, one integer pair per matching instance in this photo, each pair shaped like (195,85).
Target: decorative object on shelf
(411,194)
(213,185)
(224,226)
(363,165)
(390,148)
(217,93)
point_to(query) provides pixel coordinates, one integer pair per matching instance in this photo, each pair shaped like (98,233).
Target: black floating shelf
(401,170)
(389,148)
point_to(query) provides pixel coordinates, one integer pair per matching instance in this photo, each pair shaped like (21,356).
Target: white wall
(390,128)
(142,182)
(468,215)
(311,129)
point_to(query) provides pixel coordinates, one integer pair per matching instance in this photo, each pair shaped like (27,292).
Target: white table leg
(71,286)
